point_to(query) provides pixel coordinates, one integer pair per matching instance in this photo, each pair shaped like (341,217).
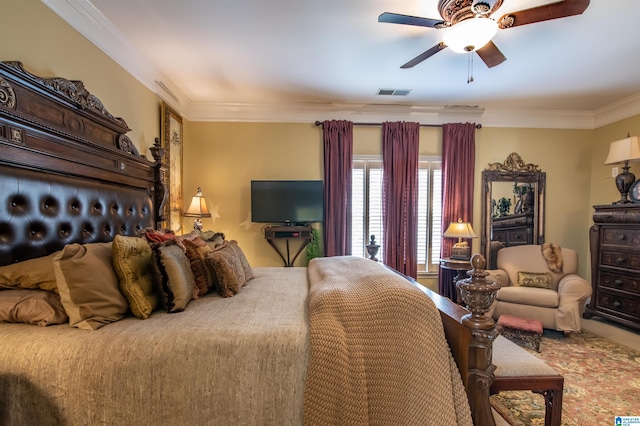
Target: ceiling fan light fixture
(470,34)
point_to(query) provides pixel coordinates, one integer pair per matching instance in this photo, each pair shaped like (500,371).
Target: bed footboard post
(479,294)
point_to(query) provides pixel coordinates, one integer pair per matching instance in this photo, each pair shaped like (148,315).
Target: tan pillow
(534,279)
(177,282)
(133,264)
(31,274)
(196,251)
(248,272)
(36,307)
(88,285)
(228,269)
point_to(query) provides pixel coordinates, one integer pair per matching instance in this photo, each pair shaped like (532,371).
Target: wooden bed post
(160,191)
(478,294)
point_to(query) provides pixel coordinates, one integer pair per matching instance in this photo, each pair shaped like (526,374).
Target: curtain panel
(458,169)
(400,152)
(338,161)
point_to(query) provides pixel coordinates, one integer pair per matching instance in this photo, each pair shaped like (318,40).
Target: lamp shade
(459,230)
(198,206)
(624,150)
(470,35)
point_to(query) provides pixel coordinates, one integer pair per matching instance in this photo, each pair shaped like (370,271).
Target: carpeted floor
(601,381)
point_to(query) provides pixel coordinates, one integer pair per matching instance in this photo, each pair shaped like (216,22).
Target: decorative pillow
(177,281)
(154,236)
(228,269)
(215,240)
(248,272)
(190,236)
(88,285)
(36,307)
(534,279)
(196,250)
(133,264)
(30,274)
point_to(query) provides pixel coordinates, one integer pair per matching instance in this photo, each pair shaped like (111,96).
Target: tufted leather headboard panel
(38,217)
(68,172)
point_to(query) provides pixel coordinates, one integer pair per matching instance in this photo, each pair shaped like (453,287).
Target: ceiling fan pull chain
(470,67)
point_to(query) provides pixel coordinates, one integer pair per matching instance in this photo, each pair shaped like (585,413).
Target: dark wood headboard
(68,171)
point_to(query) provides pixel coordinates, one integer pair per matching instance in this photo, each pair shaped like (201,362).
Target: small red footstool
(527,330)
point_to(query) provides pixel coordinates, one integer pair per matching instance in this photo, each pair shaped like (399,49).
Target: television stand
(302,234)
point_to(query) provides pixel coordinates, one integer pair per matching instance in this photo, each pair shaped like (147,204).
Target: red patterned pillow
(154,236)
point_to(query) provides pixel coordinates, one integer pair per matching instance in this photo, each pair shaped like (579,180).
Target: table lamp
(198,209)
(460,230)
(623,151)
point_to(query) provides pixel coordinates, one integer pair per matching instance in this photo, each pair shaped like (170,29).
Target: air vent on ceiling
(393,92)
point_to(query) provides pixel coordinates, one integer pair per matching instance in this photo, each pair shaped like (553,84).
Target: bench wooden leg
(551,387)
(553,406)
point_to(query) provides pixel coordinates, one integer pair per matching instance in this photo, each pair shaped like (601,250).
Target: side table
(461,266)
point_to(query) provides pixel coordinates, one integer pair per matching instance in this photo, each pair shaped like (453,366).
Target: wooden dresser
(615,264)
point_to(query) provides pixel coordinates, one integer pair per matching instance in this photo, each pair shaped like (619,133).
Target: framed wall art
(172,142)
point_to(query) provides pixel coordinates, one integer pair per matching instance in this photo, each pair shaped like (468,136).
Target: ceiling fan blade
(415,61)
(547,12)
(395,18)
(491,55)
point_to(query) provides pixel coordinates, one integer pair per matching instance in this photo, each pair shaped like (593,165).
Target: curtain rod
(320,123)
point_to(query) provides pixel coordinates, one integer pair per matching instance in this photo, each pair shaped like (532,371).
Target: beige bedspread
(378,354)
(234,361)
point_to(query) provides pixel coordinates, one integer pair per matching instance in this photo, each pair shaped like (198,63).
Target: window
(367,208)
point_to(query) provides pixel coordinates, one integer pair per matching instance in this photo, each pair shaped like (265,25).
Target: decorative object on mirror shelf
(372,248)
(503,207)
(460,230)
(198,209)
(623,151)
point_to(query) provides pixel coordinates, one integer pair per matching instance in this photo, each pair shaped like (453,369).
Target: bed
(342,341)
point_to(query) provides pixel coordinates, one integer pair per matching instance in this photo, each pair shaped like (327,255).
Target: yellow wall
(49,47)
(223,157)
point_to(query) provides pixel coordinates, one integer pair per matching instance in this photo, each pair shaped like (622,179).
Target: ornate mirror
(512,206)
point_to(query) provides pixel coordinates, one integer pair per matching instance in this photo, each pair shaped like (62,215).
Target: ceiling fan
(469,27)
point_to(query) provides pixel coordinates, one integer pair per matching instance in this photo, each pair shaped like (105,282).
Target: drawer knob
(617,304)
(620,260)
(622,237)
(618,283)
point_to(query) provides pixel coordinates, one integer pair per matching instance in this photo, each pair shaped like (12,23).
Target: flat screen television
(290,202)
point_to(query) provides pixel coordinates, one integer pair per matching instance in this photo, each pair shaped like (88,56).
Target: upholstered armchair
(540,286)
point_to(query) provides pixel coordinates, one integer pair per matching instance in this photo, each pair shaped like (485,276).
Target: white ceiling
(300,60)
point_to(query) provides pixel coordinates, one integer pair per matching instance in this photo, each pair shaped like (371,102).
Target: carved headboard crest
(73,91)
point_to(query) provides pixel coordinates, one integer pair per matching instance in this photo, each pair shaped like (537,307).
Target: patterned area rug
(601,381)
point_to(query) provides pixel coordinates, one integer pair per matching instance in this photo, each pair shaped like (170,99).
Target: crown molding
(87,20)
(96,28)
(616,111)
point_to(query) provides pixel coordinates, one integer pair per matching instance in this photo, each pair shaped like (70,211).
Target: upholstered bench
(517,369)
(527,330)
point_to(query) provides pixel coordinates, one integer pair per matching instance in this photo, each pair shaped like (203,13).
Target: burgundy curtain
(458,169)
(338,161)
(400,150)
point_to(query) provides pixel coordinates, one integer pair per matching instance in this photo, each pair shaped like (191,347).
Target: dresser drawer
(621,237)
(616,304)
(622,282)
(518,236)
(620,259)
